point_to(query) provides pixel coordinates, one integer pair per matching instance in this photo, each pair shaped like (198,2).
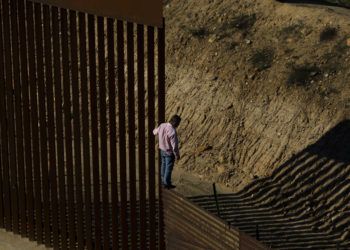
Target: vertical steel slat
(19,122)
(59,128)
(34,121)
(26,120)
(151,140)
(4,143)
(68,127)
(76,125)
(131,129)
(112,131)
(122,131)
(141,133)
(52,177)
(94,130)
(10,119)
(1,162)
(43,123)
(103,128)
(161,119)
(85,125)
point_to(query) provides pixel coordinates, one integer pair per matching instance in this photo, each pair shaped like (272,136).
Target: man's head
(175,121)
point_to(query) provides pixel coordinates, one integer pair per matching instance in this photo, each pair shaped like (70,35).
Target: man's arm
(155,131)
(175,145)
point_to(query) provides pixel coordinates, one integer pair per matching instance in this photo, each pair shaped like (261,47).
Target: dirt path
(189,184)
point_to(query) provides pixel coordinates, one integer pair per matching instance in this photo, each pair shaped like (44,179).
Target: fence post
(216,200)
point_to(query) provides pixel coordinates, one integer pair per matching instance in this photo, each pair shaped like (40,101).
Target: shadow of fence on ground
(330,3)
(305,203)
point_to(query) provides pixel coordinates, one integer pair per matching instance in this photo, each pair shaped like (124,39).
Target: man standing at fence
(169,148)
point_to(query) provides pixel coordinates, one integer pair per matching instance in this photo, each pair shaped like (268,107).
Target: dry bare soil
(263,88)
(254,81)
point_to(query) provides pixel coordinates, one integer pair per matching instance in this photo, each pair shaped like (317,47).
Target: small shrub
(263,58)
(293,31)
(289,50)
(341,46)
(231,45)
(200,32)
(328,34)
(334,60)
(302,75)
(243,22)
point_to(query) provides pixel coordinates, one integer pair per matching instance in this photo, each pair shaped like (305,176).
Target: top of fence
(139,11)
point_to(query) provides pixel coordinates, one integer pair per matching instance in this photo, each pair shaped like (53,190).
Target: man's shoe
(169,186)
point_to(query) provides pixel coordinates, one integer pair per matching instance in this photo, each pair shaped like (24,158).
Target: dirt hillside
(255,82)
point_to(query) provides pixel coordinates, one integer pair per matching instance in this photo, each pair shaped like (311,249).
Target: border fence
(77,110)
(190,227)
(78,166)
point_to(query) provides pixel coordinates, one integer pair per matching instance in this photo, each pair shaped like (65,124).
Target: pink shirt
(168,140)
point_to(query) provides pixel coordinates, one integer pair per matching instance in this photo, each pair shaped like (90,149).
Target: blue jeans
(167,167)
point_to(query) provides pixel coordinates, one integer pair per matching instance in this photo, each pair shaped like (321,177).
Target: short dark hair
(175,120)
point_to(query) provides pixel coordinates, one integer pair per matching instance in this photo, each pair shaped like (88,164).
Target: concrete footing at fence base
(10,241)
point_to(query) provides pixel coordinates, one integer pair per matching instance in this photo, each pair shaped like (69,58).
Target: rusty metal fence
(190,227)
(78,97)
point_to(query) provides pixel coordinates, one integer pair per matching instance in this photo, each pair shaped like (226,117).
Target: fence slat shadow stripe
(112,129)
(151,125)
(85,128)
(13,217)
(56,38)
(18,119)
(131,129)
(52,176)
(4,140)
(310,210)
(141,132)
(94,128)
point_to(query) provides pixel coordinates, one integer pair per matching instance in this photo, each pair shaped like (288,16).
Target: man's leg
(169,162)
(163,166)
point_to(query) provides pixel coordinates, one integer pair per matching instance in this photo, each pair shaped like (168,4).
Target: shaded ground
(338,3)
(304,204)
(256,82)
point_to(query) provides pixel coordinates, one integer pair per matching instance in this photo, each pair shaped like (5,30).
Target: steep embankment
(255,82)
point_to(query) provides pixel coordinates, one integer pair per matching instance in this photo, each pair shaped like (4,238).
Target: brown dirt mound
(255,83)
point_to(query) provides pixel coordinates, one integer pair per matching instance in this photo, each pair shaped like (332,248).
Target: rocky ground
(263,88)
(255,83)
